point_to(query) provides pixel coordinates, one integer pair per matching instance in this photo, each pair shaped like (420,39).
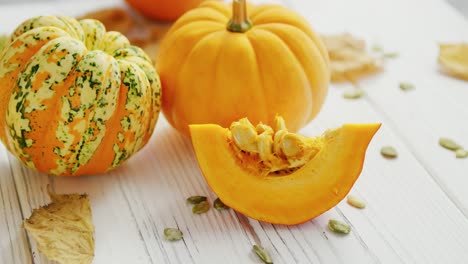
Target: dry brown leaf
(349,59)
(114,19)
(63,229)
(454,60)
(139,30)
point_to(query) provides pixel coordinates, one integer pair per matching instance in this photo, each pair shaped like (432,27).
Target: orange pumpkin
(163,10)
(277,176)
(217,65)
(75,99)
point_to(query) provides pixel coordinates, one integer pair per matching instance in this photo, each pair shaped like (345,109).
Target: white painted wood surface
(417,204)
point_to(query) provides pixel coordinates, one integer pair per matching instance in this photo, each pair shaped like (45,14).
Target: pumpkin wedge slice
(291,198)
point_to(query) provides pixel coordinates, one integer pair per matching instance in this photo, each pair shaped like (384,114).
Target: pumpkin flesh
(292,199)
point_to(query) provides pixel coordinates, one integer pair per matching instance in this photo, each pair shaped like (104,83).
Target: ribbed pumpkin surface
(75,99)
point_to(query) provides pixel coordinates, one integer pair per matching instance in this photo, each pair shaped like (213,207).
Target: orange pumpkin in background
(163,10)
(218,64)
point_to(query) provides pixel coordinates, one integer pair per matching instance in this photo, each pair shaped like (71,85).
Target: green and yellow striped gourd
(75,99)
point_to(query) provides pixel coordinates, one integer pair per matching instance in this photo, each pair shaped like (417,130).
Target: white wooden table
(417,204)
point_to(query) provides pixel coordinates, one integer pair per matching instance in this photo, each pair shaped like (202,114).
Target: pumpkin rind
(292,199)
(76,99)
(212,75)
(165,10)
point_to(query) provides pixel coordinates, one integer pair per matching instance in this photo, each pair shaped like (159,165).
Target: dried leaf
(139,30)
(114,19)
(349,59)
(63,229)
(454,60)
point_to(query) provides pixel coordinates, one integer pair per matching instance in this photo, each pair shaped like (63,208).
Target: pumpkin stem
(239,22)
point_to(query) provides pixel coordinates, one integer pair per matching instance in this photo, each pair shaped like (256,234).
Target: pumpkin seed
(356,202)
(244,135)
(219,205)
(389,152)
(354,93)
(338,226)
(391,55)
(173,234)
(461,153)
(196,199)
(262,254)
(377,48)
(292,144)
(406,86)
(449,144)
(201,208)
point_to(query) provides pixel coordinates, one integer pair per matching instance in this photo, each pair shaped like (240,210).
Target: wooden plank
(419,208)
(31,188)
(132,205)
(408,215)
(14,245)
(408,219)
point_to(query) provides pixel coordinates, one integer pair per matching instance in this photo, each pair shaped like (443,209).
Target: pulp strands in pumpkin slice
(267,151)
(63,229)
(454,60)
(349,58)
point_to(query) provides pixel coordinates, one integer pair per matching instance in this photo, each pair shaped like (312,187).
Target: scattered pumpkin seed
(356,202)
(461,153)
(389,152)
(377,48)
(391,55)
(196,199)
(219,205)
(262,254)
(338,226)
(449,144)
(201,208)
(173,234)
(354,93)
(406,86)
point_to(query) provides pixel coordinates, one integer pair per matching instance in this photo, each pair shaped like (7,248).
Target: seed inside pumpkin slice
(291,180)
